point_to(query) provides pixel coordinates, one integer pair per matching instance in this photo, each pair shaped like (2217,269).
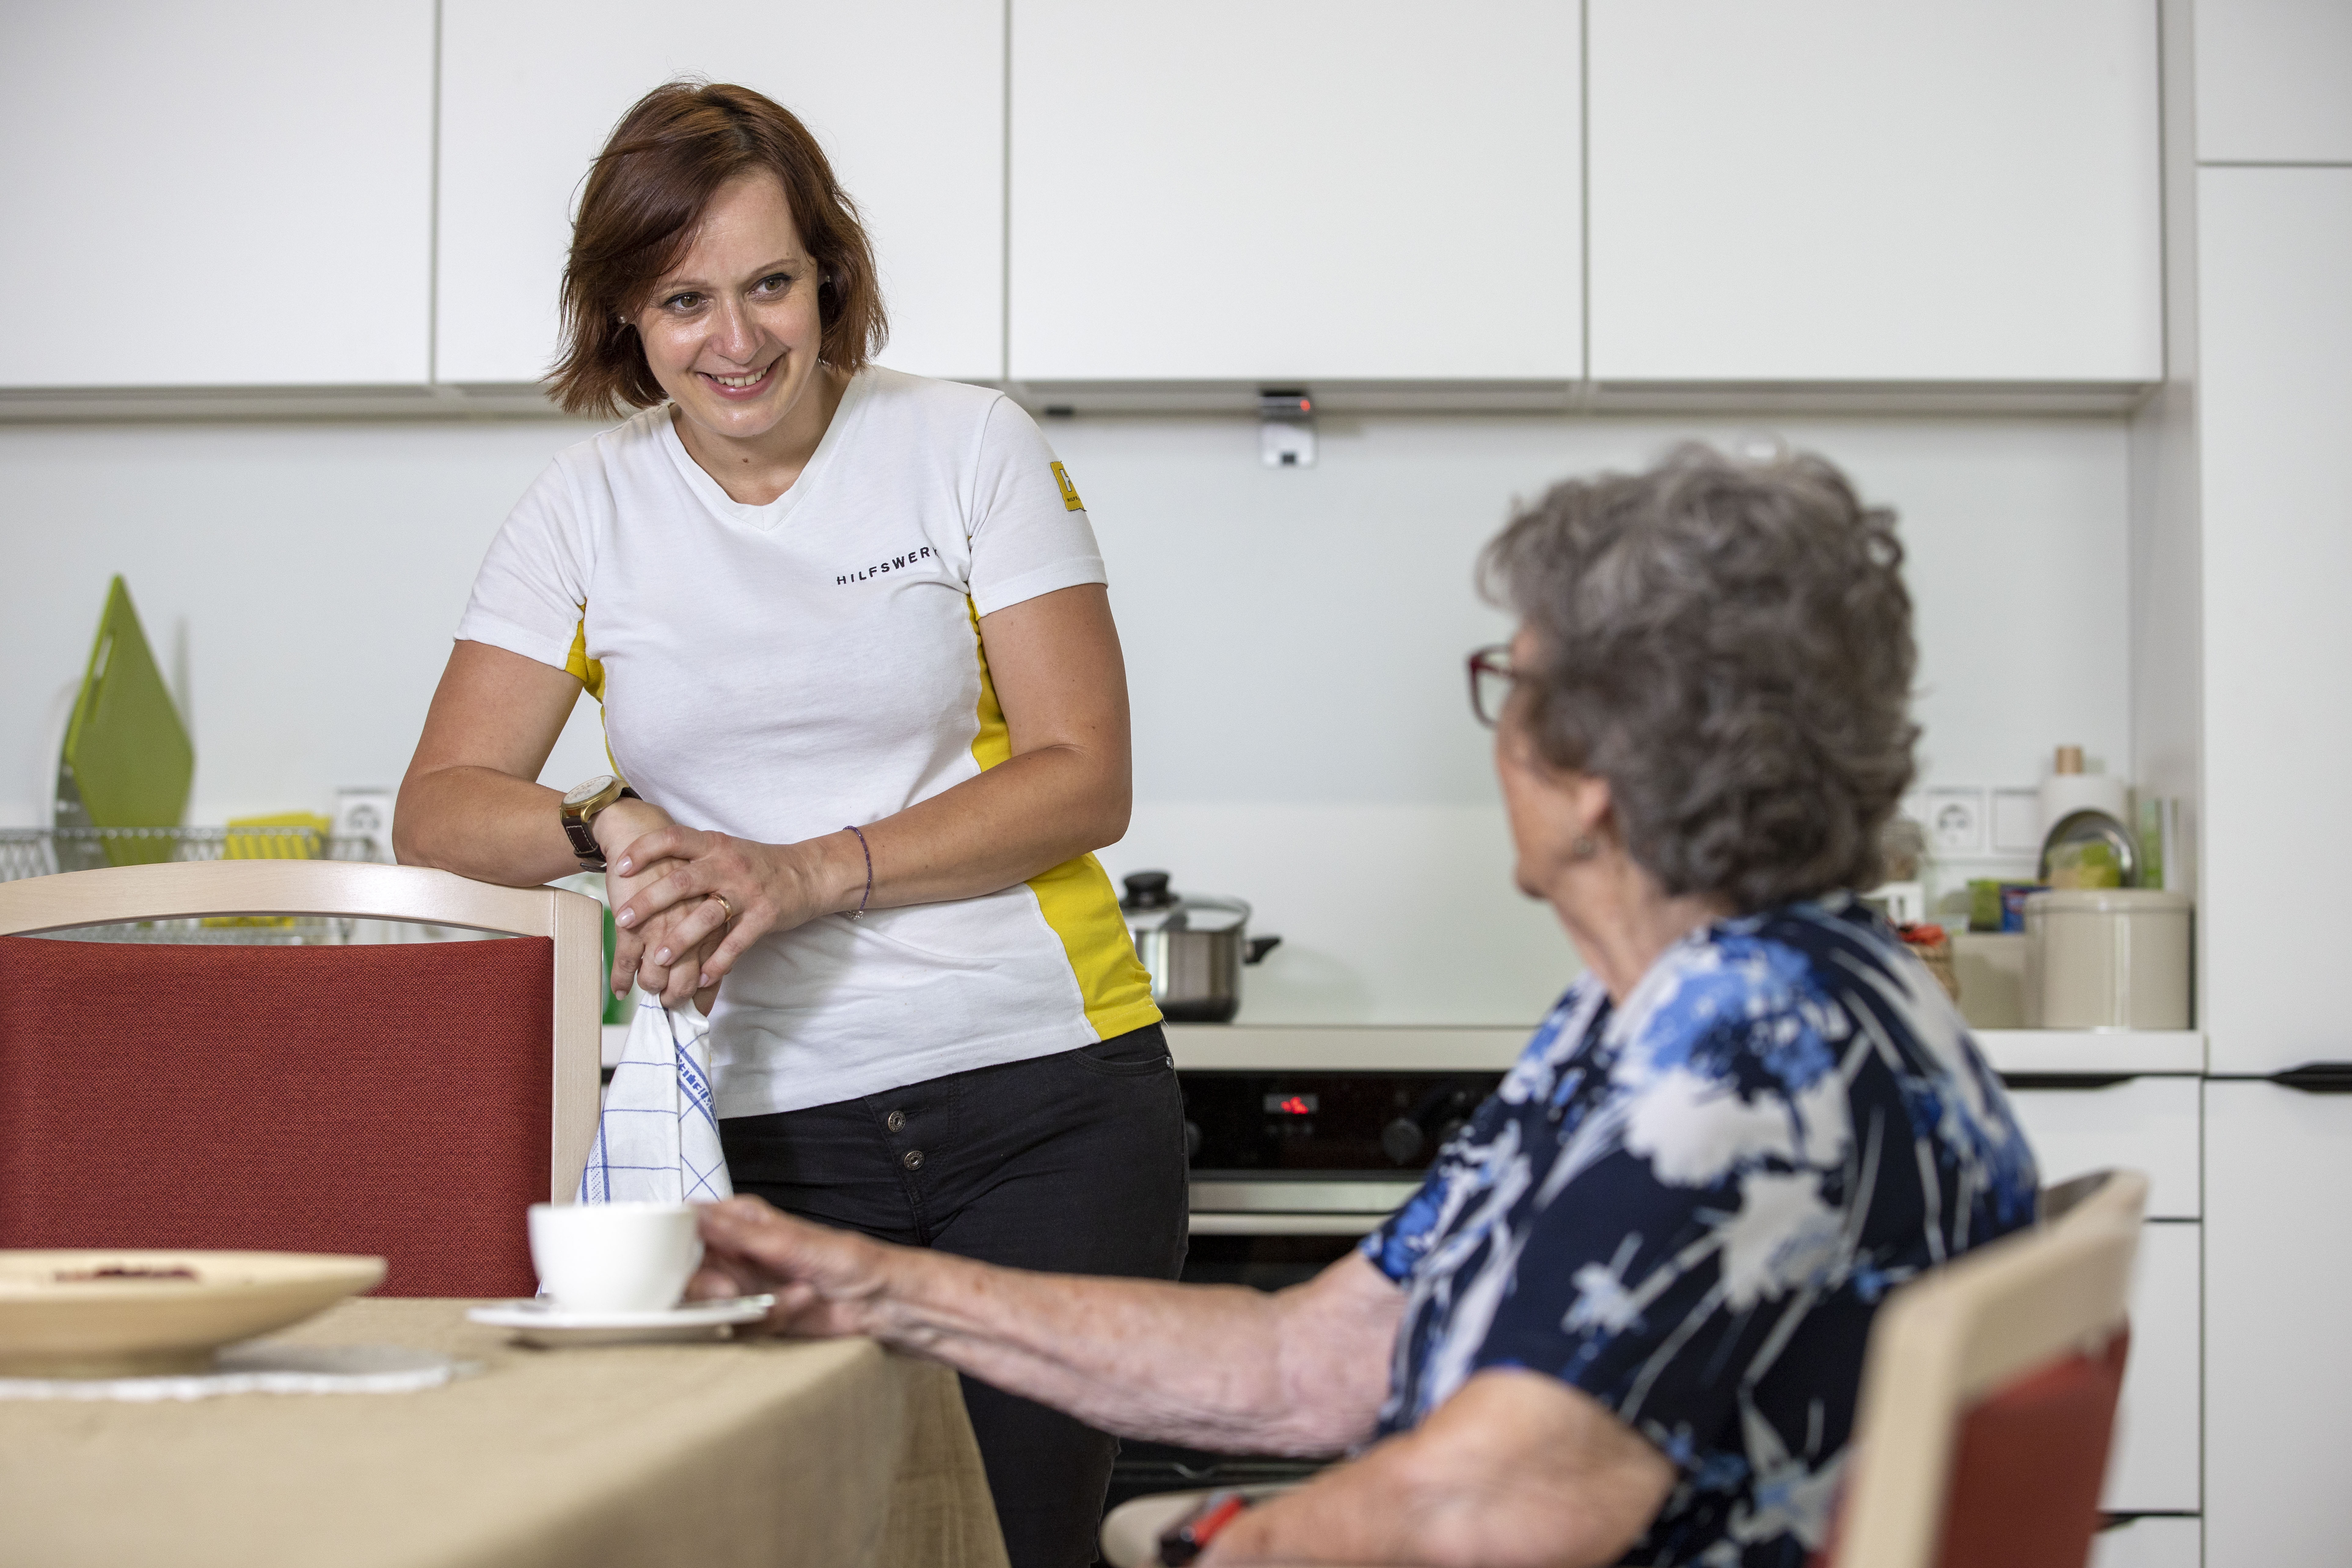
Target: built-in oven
(1290,1171)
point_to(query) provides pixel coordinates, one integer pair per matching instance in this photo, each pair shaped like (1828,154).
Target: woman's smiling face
(731,332)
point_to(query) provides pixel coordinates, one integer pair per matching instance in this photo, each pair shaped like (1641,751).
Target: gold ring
(721,899)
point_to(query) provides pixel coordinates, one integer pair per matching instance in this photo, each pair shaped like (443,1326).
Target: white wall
(307,575)
(1294,638)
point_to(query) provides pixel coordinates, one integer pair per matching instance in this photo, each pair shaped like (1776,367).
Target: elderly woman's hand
(683,883)
(826,1282)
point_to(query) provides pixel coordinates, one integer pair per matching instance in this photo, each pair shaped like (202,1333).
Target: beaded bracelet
(860,913)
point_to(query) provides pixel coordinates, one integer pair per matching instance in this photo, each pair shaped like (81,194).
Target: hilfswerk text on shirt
(896,563)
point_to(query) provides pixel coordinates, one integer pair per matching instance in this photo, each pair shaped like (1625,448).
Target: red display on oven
(1292,1104)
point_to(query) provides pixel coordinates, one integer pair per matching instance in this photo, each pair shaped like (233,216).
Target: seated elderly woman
(1624,1316)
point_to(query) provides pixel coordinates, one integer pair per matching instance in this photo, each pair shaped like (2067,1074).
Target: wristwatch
(581,806)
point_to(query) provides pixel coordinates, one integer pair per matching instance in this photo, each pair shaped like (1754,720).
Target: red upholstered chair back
(384,1100)
(2030,1460)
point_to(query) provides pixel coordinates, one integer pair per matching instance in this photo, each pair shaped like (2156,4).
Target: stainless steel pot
(1194,946)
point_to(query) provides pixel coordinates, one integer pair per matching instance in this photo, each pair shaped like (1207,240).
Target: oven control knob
(1192,1139)
(1401,1140)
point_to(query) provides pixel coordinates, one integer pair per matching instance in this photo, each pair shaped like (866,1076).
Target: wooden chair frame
(363,890)
(1957,1334)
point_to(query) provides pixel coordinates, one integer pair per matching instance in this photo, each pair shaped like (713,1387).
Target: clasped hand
(672,888)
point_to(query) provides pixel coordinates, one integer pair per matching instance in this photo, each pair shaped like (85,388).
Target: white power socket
(1955,820)
(365,814)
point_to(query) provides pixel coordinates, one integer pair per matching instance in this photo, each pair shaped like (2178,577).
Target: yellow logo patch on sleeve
(1070,501)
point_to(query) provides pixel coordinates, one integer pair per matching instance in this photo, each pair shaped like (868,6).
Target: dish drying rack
(45,851)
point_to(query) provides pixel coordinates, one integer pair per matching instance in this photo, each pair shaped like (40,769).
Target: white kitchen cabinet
(2275,405)
(906,96)
(2152,1125)
(2274,82)
(1302,191)
(1848,191)
(2144,1124)
(217,193)
(2152,1467)
(2278,1361)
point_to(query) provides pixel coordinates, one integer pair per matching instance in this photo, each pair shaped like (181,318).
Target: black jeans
(1073,1163)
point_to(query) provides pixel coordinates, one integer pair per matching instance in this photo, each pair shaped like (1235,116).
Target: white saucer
(539,1323)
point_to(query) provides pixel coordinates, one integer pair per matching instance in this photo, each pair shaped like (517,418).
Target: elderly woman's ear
(1559,817)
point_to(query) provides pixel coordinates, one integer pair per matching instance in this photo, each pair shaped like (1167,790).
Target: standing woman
(856,655)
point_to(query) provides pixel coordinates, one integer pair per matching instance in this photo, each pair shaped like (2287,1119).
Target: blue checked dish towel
(657,1140)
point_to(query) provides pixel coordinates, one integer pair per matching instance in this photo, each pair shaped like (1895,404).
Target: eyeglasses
(1491,676)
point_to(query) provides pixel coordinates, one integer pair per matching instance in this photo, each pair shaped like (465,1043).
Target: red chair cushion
(386,1099)
(2025,1483)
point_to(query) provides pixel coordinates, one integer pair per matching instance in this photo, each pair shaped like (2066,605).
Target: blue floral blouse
(1690,1208)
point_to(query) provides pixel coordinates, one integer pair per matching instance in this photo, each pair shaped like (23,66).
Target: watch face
(581,794)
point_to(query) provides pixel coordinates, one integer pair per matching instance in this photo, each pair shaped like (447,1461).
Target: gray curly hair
(1729,645)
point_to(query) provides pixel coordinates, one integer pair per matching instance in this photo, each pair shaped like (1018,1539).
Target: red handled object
(1190,1536)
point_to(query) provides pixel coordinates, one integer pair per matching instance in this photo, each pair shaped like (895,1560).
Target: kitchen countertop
(1402,1048)
(1397,1048)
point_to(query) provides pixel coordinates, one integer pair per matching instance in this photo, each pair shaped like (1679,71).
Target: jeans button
(912,1159)
(896,1121)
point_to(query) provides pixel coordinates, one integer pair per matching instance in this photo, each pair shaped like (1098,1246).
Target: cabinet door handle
(2064,1080)
(2317,1078)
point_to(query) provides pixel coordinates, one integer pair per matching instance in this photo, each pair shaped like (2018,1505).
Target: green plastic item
(127,755)
(1984,903)
(617,1008)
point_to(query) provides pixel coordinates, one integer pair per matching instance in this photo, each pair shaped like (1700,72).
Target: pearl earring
(1584,847)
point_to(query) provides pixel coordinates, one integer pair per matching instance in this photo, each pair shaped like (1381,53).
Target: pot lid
(1149,901)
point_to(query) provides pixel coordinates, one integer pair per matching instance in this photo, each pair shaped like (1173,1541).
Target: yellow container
(307,844)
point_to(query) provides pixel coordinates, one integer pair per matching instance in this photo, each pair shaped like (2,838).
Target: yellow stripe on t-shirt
(589,673)
(1075,897)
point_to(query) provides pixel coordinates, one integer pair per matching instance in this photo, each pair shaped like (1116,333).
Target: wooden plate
(151,1313)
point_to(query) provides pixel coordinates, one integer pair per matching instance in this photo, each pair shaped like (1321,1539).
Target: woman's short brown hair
(646,194)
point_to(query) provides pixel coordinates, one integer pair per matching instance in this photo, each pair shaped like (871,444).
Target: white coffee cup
(615,1257)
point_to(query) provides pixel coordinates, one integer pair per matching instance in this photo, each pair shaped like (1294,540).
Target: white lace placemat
(264,1368)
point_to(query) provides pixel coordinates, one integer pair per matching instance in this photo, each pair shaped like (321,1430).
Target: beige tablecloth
(759,1454)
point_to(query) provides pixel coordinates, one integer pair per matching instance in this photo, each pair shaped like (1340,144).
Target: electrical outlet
(365,814)
(1956,821)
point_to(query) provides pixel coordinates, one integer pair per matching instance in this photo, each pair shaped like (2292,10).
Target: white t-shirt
(777,673)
